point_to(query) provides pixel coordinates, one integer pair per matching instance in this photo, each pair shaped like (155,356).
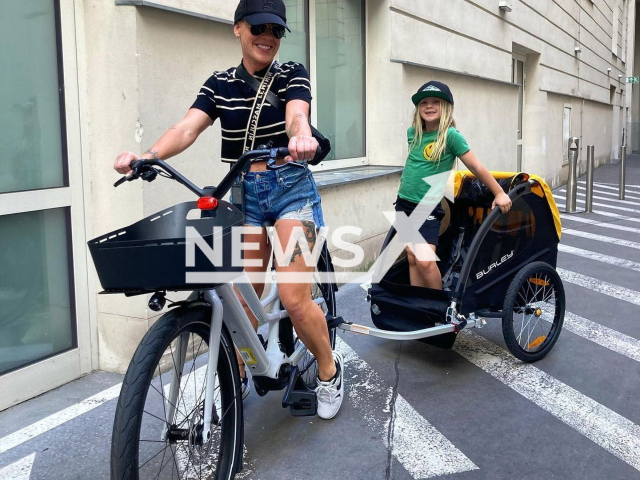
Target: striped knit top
(230,99)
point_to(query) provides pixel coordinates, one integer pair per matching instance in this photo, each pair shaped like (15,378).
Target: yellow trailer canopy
(542,191)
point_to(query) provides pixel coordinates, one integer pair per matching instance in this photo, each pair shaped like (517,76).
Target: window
(32,149)
(37,316)
(336,63)
(296,46)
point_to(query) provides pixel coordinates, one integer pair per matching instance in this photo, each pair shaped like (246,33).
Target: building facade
(83,80)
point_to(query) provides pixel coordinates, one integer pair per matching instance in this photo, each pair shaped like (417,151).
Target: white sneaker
(245,386)
(330,393)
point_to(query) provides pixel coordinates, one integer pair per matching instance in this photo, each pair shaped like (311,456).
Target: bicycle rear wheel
(144,444)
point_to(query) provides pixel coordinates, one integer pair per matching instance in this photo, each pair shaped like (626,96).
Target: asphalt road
(416,411)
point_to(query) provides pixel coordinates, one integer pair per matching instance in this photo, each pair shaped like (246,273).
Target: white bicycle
(180,410)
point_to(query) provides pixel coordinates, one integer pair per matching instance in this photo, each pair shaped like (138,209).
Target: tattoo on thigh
(305,241)
(297,252)
(309,233)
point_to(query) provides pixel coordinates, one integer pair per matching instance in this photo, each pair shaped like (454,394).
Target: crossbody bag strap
(274,101)
(262,91)
(243,75)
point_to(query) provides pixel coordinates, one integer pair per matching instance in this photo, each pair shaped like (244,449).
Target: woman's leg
(262,254)
(306,315)
(424,273)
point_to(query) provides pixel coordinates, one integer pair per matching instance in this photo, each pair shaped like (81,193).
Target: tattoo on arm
(152,153)
(296,123)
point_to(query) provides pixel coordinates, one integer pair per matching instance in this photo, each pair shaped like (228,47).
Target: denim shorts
(285,193)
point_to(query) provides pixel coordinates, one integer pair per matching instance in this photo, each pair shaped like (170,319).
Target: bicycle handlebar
(146,169)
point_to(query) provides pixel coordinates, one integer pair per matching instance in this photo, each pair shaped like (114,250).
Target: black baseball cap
(433,89)
(259,12)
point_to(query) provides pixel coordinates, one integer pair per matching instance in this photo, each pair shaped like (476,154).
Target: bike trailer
(166,251)
(478,259)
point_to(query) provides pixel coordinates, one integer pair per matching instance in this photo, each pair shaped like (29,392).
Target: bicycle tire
(536,293)
(135,404)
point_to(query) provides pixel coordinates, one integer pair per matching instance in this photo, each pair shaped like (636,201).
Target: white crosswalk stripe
(604,336)
(600,286)
(595,223)
(419,447)
(602,192)
(600,424)
(617,216)
(20,470)
(600,257)
(608,205)
(610,186)
(58,418)
(601,238)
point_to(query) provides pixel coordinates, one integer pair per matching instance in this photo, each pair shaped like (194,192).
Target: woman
(287,196)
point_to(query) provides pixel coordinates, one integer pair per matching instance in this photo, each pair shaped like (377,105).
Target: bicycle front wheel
(155,437)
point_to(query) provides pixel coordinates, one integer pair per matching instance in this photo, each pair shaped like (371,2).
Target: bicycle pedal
(303,404)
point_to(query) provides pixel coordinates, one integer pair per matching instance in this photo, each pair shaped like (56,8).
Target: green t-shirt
(419,165)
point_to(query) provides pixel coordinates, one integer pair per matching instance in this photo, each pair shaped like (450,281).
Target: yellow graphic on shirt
(428,150)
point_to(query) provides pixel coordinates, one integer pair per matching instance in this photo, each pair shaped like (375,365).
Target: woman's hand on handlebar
(121,165)
(302,148)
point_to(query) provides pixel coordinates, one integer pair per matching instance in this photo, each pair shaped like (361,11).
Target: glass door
(44,318)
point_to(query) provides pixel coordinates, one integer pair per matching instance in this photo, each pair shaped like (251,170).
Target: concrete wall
(635,95)
(145,66)
(469,45)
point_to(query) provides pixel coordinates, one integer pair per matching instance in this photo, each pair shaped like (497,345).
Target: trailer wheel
(533,312)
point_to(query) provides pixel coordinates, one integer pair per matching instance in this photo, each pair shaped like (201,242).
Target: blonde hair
(446,121)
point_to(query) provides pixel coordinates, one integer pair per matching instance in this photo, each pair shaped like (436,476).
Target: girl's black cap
(259,12)
(433,89)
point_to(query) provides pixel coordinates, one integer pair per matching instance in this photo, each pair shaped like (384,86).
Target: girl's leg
(424,273)
(306,315)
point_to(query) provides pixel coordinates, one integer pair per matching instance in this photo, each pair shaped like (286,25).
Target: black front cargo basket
(151,254)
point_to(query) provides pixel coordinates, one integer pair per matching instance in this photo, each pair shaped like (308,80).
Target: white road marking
(601,238)
(419,447)
(423,450)
(602,192)
(604,336)
(20,470)
(601,425)
(611,186)
(612,226)
(600,286)
(615,207)
(608,214)
(600,257)
(56,419)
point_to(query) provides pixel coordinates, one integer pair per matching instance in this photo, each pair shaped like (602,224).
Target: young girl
(434,144)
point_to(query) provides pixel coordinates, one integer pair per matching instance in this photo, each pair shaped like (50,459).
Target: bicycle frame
(226,306)
(227,309)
